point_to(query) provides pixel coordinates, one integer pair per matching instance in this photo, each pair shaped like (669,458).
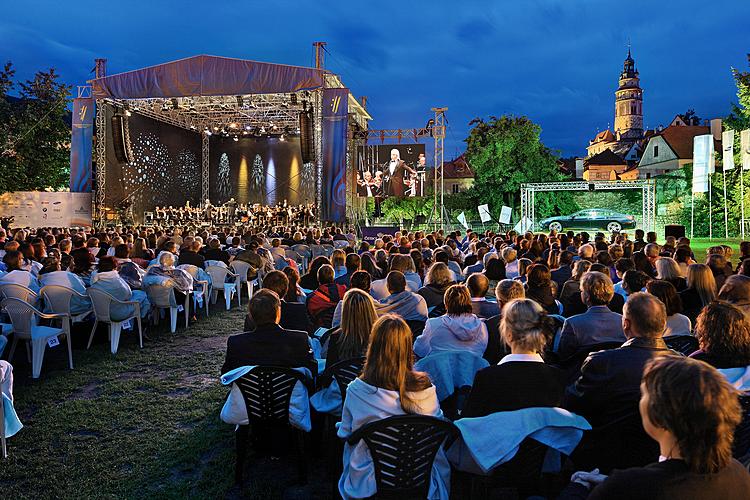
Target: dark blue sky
(552,60)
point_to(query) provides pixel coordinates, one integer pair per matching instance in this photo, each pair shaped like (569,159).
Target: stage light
(208,132)
(281,138)
(248,127)
(216,129)
(244,132)
(274,126)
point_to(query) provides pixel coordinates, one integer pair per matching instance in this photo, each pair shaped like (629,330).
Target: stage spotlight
(262,129)
(244,132)
(208,132)
(216,129)
(248,127)
(240,101)
(274,126)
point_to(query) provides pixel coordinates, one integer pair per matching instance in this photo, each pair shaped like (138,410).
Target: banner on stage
(484,213)
(703,162)
(81,145)
(745,149)
(462,219)
(335,121)
(505,214)
(372,233)
(727,146)
(43,209)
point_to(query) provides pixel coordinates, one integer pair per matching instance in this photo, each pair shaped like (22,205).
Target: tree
(506,152)
(36,136)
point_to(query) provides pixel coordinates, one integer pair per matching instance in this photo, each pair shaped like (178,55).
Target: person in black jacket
(353,262)
(521,379)
(691,411)
(608,390)
(215,252)
(269,344)
(192,257)
(293,314)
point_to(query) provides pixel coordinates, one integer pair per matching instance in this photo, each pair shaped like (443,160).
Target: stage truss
(647,186)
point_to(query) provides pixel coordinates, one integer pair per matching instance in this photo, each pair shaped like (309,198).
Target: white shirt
(536,358)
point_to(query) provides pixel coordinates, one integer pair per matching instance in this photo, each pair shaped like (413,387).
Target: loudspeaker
(306,137)
(118,138)
(675,230)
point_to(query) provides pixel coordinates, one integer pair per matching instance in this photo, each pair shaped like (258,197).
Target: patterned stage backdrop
(164,169)
(259,170)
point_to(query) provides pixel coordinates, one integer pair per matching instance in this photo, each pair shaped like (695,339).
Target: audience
(478,284)
(402,302)
(323,301)
(677,323)
(437,281)
(350,340)
(723,333)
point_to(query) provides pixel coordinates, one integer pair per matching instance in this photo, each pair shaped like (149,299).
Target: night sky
(554,61)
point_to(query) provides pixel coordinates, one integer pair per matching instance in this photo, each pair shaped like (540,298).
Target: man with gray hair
(607,392)
(586,252)
(393,174)
(598,324)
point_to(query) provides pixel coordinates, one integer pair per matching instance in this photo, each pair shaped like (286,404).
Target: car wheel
(555,226)
(614,227)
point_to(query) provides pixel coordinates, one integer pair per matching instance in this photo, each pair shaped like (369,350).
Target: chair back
(328,249)
(684,344)
(21,315)
(317,250)
(341,243)
(101,301)
(344,372)
(741,445)
(218,275)
(303,250)
(14,290)
(190,269)
(403,449)
(161,296)
(57,298)
(267,391)
(241,268)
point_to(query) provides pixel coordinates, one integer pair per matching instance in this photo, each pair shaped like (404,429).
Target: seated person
(293,314)
(13,260)
(322,302)
(361,281)
(402,302)
(269,343)
(521,379)
(478,284)
(691,411)
(388,386)
(437,281)
(51,274)
(677,324)
(353,262)
(165,274)
(6,380)
(457,330)
(192,256)
(505,291)
(539,288)
(723,334)
(403,264)
(736,290)
(608,389)
(214,252)
(107,279)
(358,314)
(598,324)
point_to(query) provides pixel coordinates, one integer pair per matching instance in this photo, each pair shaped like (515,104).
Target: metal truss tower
(438,217)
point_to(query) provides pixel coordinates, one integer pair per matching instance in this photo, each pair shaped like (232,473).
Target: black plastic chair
(403,449)
(741,445)
(342,372)
(684,344)
(267,391)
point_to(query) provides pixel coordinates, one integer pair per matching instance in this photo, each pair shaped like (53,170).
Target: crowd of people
(649,342)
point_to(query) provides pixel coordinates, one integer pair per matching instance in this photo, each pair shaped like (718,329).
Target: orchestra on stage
(233,213)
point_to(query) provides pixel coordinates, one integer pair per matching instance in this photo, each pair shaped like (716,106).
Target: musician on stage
(393,174)
(231,206)
(208,211)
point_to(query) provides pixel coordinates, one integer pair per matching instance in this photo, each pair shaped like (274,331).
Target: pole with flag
(745,160)
(727,160)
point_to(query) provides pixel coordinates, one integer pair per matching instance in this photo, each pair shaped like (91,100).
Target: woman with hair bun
(521,379)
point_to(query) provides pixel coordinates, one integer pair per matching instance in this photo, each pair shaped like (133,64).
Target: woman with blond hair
(521,379)
(437,281)
(388,386)
(667,269)
(350,340)
(701,290)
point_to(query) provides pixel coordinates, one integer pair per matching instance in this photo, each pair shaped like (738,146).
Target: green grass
(700,245)
(141,424)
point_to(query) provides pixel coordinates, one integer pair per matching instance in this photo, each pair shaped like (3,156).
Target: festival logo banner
(81,145)
(335,119)
(727,146)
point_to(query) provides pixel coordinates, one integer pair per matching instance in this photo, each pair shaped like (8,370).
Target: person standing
(393,174)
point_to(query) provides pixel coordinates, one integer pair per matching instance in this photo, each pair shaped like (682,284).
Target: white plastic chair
(58,299)
(198,285)
(328,249)
(163,297)
(16,291)
(340,243)
(241,268)
(218,279)
(317,250)
(102,301)
(22,315)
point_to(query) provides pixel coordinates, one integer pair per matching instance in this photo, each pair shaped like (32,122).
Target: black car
(591,218)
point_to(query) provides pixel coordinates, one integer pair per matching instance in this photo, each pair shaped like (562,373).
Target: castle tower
(629,103)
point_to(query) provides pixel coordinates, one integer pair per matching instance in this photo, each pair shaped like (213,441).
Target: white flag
(745,149)
(727,147)
(703,154)
(505,214)
(484,213)
(462,219)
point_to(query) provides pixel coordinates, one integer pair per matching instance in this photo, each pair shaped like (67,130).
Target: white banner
(703,161)
(727,147)
(484,213)
(42,209)
(745,149)
(505,214)
(462,219)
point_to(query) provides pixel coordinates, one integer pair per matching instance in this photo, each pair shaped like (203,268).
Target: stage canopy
(207,76)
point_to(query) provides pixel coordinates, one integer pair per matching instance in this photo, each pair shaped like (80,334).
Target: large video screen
(389,170)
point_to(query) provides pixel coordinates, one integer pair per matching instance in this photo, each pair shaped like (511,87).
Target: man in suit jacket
(564,272)
(353,262)
(598,324)
(478,285)
(608,391)
(393,174)
(293,314)
(269,343)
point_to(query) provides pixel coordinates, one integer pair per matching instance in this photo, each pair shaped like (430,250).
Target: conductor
(393,174)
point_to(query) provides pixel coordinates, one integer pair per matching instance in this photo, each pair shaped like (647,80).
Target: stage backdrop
(259,170)
(42,209)
(165,168)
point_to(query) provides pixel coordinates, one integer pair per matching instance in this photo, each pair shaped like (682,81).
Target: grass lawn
(700,245)
(141,424)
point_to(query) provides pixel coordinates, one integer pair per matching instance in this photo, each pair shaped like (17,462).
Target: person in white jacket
(388,386)
(457,330)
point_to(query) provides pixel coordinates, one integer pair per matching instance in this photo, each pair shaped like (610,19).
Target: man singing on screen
(393,174)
